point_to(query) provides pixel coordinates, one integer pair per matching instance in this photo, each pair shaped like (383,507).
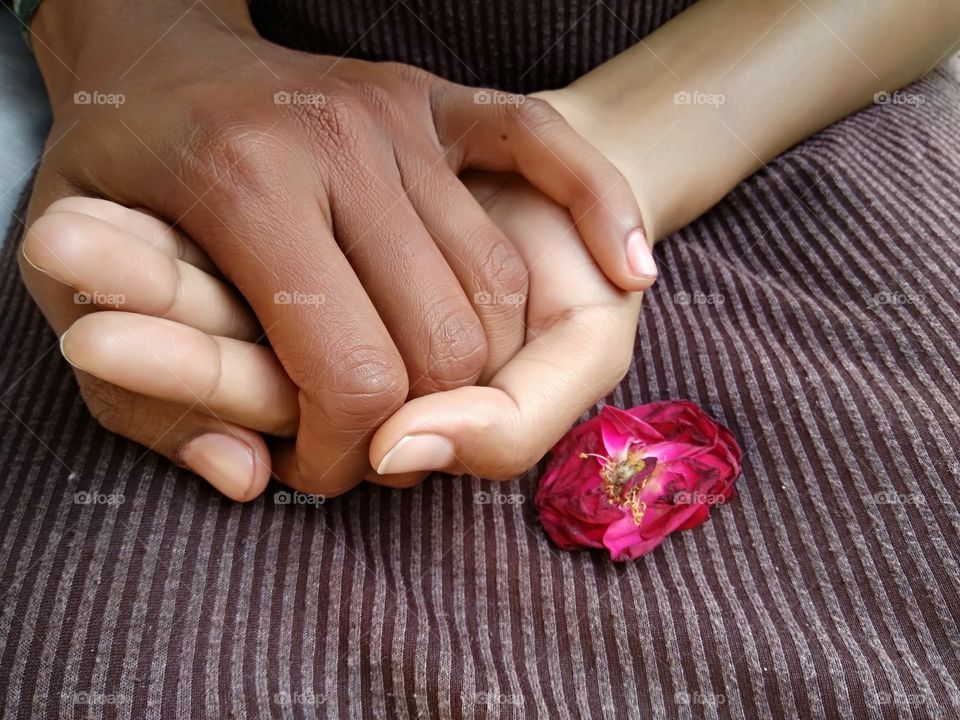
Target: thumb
(469,430)
(500,431)
(518,133)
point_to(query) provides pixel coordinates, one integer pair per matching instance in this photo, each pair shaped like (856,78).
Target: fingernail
(418,452)
(223,461)
(63,350)
(639,259)
(31,263)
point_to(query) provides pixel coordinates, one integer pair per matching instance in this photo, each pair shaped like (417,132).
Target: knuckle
(412,74)
(500,269)
(363,389)
(377,99)
(538,115)
(235,159)
(457,346)
(335,124)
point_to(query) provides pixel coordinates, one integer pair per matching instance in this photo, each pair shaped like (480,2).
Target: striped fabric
(516,45)
(815,311)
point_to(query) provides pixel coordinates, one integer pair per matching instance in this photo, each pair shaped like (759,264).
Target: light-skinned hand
(184,341)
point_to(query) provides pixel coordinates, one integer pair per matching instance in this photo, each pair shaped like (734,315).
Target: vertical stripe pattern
(815,311)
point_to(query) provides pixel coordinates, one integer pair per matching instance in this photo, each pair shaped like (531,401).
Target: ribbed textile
(515,45)
(814,311)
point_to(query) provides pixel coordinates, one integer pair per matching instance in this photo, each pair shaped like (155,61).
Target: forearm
(81,42)
(726,86)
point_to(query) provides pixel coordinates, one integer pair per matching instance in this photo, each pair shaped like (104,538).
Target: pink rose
(626,479)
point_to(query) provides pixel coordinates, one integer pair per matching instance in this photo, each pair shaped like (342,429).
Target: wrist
(81,45)
(593,119)
(668,150)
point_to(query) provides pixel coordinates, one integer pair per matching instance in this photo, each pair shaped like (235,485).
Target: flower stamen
(617,474)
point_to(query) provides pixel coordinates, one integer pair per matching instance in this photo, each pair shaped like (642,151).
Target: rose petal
(623,543)
(698,517)
(690,463)
(617,434)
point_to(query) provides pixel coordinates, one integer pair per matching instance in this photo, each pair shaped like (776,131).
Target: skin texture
(327,181)
(496,431)
(784,69)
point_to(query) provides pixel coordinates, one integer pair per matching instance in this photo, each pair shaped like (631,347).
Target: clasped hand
(414,322)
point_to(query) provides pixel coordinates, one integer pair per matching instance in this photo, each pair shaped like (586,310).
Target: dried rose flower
(626,479)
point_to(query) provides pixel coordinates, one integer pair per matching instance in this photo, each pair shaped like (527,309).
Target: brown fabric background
(828,588)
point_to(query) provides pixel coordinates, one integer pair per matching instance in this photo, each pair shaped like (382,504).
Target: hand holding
(199,355)
(325,178)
